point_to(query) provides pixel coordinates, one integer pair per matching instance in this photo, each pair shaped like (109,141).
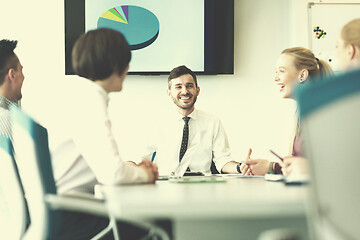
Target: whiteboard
(325,23)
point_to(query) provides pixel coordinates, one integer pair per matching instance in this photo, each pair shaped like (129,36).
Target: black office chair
(213,168)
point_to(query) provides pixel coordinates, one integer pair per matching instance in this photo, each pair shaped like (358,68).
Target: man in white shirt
(11,80)
(206,138)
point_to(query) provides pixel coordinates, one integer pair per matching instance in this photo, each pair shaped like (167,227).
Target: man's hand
(254,166)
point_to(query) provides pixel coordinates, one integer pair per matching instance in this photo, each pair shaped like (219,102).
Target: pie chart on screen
(139,25)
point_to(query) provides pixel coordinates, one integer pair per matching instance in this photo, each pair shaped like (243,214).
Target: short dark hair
(179,71)
(8,58)
(99,53)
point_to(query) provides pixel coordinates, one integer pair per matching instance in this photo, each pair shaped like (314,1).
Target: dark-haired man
(11,80)
(189,134)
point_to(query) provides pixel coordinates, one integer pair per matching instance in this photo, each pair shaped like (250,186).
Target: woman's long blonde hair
(305,59)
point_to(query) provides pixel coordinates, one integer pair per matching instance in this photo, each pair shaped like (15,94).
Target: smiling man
(189,128)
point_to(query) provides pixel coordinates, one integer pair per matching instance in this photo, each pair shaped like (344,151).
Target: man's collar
(97,87)
(5,103)
(192,115)
(102,92)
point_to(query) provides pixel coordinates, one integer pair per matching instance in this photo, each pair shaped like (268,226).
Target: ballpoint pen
(276,155)
(153,156)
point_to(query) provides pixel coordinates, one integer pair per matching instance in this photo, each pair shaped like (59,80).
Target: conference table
(214,207)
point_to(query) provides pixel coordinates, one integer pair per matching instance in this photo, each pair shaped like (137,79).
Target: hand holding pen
(293,165)
(275,164)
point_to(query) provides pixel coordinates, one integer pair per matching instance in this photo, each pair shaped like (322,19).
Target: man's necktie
(185,138)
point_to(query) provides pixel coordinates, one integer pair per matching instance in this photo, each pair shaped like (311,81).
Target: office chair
(330,117)
(13,194)
(154,232)
(34,163)
(213,168)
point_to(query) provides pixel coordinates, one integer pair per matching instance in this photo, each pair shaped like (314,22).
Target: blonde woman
(348,55)
(348,46)
(294,66)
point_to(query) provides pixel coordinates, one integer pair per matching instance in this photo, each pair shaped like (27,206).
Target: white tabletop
(235,198)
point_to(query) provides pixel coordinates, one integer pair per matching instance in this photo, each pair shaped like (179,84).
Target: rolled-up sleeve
(221,148)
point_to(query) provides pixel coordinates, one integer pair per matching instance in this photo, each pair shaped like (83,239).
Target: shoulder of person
(208,116)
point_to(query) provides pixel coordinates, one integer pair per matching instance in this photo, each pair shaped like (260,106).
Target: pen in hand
(276,155)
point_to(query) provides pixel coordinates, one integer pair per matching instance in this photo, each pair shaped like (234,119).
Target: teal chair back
(16,212)
(330,120)
(30,141)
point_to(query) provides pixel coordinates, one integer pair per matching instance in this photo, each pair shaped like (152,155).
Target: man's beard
(186,107)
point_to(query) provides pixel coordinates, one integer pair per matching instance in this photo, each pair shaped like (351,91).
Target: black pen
(276,155)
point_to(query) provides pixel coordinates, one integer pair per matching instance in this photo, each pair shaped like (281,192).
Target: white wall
(247,102)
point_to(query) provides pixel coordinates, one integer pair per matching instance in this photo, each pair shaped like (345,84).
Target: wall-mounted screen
(162,34)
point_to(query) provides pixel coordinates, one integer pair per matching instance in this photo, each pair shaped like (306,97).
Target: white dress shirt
(205,130)
(84,151)
(5,120)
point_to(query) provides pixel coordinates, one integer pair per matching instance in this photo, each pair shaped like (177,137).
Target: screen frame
(218,45)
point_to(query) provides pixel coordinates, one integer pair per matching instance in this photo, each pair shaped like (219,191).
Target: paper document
(198,179)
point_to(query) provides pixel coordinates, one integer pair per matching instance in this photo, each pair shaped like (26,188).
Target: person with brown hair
(294,66)
(188,138)
(101,58)
(83,147)
(11,80)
